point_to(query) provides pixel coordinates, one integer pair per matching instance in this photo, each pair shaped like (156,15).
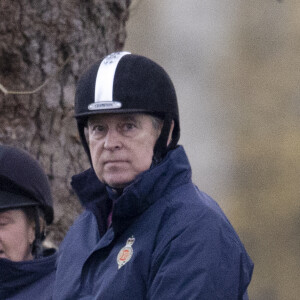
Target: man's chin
(118,184)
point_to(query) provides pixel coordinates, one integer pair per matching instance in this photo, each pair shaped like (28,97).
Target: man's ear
(171,132)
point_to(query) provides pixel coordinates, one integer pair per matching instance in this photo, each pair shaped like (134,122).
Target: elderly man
(147,232)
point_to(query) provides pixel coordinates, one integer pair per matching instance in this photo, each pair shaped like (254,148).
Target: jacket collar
(17,275)
(149,186)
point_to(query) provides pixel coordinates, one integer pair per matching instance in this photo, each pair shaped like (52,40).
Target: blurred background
(235,66)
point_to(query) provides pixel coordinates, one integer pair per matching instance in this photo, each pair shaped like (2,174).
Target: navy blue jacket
(168,240)
(32,279)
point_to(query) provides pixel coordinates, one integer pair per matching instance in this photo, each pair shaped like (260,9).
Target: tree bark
(45,46)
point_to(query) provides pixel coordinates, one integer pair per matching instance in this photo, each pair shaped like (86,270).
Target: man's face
(121,146)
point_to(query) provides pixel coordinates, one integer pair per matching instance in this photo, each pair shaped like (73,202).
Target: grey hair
(156,122)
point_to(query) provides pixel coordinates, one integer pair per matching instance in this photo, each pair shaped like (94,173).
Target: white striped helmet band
(104,83)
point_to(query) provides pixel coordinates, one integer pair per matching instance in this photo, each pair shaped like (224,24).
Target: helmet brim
(9,200)
(109,111)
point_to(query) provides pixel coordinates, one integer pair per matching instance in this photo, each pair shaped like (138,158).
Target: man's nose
(113,140)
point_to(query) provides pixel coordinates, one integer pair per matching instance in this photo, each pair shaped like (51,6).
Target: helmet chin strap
(39,236)
(161,146)
(80,125)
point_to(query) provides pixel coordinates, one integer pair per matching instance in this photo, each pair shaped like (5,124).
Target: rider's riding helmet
(23,184)
(125,83)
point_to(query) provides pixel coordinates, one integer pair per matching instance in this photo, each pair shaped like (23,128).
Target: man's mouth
(115,162)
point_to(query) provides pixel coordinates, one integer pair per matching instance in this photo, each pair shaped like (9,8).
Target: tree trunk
(44,47)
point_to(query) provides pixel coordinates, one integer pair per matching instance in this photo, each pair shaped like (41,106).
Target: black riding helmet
(23,182)
(127,83)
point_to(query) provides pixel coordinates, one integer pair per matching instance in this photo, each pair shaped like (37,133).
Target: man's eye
(129,126)
(98,128)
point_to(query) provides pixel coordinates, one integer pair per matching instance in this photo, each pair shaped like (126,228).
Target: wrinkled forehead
(117,117)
